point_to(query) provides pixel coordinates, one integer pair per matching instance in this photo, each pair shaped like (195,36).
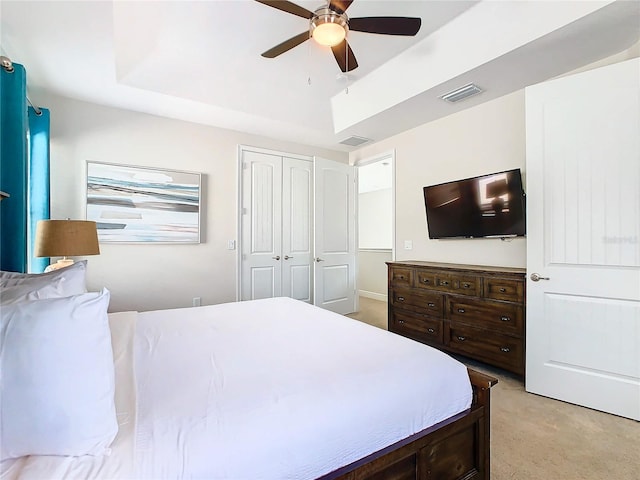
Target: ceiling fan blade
(288,7)
(344,56)
(340,6)
(286,45)
(408,26)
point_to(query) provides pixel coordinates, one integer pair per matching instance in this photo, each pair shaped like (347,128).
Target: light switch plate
(408,244)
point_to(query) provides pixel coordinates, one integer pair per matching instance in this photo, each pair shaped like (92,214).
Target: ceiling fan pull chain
(309,63)
(346,55)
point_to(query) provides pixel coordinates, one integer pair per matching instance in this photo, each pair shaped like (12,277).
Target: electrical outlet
(408,244)
(196,301)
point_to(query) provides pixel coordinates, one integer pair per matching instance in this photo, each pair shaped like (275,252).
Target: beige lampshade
(66,238)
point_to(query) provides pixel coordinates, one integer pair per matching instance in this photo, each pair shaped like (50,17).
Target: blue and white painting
(138,204)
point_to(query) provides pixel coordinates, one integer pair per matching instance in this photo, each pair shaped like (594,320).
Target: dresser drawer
(500,350)
(429,303)
(504,289)
(505,317)
(417,326)
(425,279)
(401,277)
(458,283)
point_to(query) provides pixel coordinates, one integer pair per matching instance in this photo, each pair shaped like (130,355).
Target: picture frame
(134,204)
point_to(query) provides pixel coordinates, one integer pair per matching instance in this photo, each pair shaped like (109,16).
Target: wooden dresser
(476,311)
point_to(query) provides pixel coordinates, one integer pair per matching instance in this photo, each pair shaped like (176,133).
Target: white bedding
(120,463)
(268,389)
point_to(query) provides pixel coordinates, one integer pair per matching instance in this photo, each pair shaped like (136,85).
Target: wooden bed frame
(457,448)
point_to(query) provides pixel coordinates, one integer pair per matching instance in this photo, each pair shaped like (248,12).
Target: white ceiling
(200,60)
(375,176)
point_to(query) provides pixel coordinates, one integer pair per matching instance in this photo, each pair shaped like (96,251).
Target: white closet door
(335,236)
(583,228)
(297,217)
(261,225)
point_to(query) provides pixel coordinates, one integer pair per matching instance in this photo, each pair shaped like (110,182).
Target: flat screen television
(491,205)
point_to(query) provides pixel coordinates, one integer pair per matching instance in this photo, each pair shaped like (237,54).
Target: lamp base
(63,262)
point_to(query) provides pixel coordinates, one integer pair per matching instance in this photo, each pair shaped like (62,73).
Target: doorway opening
(376,227)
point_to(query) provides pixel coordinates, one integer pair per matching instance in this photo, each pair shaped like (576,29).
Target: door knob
(536,277)
(277,257)
(318,259)
(287,257)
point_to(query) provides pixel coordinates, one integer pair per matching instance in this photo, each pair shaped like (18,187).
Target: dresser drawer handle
(401,277)
(505,349)
(502,290)
(462,339)
(401,299)
(425,280)
(400,322)
(461,310)
(444,283)
(504,318)
(466,285)
(431,304)
(431,330)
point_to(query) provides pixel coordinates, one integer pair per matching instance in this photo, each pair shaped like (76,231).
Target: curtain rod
(7,64)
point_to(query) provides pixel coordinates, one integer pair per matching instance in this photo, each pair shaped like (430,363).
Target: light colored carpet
(534,437)
(373,312)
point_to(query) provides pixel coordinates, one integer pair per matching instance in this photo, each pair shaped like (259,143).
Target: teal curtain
(24,173)
(13,169)
(38,183)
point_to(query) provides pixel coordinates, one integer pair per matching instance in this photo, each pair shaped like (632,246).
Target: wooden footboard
(455,449)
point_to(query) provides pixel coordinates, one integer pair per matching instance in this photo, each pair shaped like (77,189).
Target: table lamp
(64,238)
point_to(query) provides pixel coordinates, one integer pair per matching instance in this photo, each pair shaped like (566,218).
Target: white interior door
(335,236)
(261,262)
(583,202)
(297,240)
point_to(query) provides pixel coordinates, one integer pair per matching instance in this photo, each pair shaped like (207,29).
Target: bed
(275,389)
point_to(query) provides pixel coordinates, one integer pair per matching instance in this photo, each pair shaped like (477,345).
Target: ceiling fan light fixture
(329,34)
(328,28)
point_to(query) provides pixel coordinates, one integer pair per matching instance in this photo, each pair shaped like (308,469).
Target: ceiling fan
(329,25)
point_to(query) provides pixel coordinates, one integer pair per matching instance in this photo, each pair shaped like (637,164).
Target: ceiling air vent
(461,93)
(355,141)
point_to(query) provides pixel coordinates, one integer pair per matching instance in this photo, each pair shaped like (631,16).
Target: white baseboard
(373,295)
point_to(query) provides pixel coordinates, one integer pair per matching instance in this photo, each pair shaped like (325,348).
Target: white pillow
(21,293)
(71,280)
(56,377)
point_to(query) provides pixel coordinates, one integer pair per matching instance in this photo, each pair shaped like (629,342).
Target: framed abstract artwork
(143,205)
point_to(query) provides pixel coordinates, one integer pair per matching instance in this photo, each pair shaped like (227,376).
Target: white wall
(375,239)
(372,273)
(144,277)
(375,215)
(487,138)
